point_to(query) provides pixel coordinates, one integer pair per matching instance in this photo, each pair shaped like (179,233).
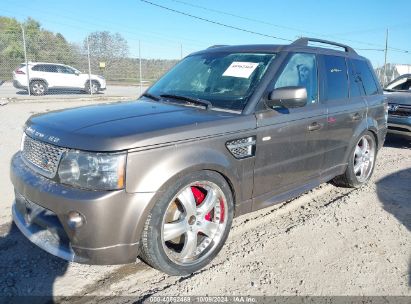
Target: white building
(393,71)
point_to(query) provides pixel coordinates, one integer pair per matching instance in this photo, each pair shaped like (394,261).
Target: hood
(398,97)
(136,124)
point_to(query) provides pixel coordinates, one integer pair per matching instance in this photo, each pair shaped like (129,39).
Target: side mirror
(77,73)
(287,97)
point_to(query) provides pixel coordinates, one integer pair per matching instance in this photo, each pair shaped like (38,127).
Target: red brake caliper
(199,197)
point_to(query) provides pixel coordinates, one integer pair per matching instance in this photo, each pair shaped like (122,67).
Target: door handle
(314,126)
(356,116)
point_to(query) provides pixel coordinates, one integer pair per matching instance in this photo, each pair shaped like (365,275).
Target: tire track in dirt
(283,217)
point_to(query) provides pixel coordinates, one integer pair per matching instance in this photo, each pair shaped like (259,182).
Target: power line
(242,17)
(225,25)
(215,22)
(290,28)
(150,34)
(396,27)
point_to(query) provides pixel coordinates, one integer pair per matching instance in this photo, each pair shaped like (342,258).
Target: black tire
(350,178)
(38,87)
(95,86)
(153,250)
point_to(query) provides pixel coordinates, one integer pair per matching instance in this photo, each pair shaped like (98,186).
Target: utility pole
(25,58)
(89,67)
(139,58)
(385,60)
(181,51)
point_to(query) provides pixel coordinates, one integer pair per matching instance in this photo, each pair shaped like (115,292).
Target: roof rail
(216,46)
(304,42)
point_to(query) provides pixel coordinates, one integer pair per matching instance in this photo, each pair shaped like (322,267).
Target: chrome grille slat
(402,110)
(43,157)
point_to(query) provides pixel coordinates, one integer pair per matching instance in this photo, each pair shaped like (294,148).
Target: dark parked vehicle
(398,93)
(228,130)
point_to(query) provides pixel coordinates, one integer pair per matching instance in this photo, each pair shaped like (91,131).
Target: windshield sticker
(241,69)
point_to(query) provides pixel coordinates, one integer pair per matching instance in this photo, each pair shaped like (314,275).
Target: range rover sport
(228,130)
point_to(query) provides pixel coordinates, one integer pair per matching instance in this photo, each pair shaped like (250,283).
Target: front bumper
(103,84)
(113,219)
(399,125)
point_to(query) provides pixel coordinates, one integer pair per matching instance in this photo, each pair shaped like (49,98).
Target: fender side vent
(242,147)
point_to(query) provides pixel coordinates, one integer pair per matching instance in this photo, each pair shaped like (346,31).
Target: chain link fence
(101,57)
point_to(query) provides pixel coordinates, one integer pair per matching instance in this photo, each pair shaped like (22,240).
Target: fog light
(75,219)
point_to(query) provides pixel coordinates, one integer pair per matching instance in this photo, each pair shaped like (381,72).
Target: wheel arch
(372,126)
(215,162)
(92,80)
(361,129)
(151,170)
(39,79)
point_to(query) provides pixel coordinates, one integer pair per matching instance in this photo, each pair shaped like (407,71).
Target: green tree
(10,39)
(41,45)
(106,47)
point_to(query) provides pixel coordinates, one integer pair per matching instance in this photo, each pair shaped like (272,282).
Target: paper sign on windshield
(240,69)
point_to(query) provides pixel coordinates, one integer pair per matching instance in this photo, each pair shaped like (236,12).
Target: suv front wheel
(360,163)
(189,224)
(95,87)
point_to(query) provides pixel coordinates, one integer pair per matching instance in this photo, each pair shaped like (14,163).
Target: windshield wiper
(201,102)
(151,96)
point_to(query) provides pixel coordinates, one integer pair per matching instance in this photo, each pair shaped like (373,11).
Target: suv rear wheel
(189,225)
(361,162)
(38,87)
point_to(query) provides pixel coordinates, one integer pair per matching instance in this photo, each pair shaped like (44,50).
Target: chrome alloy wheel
(194,223)
(38,88)
(364,156)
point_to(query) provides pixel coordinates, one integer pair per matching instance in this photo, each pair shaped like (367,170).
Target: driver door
(290,142)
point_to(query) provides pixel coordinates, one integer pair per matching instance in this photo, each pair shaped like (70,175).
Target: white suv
(44,76)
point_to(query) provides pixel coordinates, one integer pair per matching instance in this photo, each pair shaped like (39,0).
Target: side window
(70,70)
(355,81)
(301,70)
(362,68)
(336,74)
(64,70)
(50,68)
(39,68)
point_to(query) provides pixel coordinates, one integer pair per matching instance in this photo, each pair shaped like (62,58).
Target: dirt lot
(8,92)
(330,241)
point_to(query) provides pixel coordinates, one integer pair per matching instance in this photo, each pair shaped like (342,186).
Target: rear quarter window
(363,69)
(356,88)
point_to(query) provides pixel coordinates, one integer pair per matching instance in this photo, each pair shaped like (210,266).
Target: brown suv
(227,131)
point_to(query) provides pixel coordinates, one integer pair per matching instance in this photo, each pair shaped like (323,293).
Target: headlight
(94,171)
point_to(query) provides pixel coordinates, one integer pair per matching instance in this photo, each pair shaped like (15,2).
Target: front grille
(44,157)
(399,129)
(400,110)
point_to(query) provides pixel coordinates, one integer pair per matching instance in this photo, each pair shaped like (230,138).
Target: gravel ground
(330,241)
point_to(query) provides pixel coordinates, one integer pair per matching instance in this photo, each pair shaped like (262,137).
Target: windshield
(225,80)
